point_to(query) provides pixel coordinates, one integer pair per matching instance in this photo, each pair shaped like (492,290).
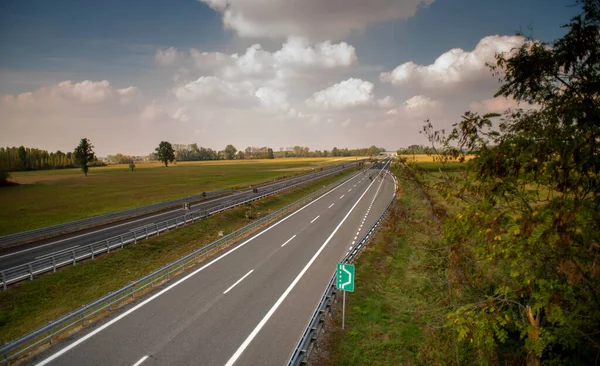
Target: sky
(128,74)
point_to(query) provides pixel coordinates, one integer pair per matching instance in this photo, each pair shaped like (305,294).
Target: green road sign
(345,277)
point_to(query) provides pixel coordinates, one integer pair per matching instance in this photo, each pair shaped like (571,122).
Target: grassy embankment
(29,305)
(55,196)
(397,311)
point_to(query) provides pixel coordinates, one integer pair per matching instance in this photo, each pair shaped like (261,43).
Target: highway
(247,306)
(21,254)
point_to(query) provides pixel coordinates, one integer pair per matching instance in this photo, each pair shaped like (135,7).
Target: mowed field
(54,196)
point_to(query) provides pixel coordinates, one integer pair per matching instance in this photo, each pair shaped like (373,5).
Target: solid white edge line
(290,239)
(238,281)
(108,324)
(140,361)
(315,219)
(270,313)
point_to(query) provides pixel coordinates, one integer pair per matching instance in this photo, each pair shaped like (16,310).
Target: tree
(84,155)
(4,175)
(525,248)
(270,154)
(240,155)
(165,153)
(230,151)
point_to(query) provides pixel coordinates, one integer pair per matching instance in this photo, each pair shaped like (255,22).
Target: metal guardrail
(49,231)
(45,334)
(52,261)
(315,326)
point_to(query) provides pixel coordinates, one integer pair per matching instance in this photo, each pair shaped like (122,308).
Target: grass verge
(59,196)
(392,317)
(29,305)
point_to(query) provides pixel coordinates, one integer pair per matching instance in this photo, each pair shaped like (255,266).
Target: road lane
(196,323)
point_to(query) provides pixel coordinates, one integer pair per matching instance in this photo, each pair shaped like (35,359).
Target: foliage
(121,158)
(4,175)
(165,153)
(230,151)
(132,166)
(24,158)
(525,247)
(84,155)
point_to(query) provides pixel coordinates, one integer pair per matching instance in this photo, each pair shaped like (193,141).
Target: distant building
(388,153)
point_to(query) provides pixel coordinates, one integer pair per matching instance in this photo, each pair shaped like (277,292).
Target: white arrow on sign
(349,277)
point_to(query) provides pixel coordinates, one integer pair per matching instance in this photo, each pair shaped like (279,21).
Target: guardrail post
(146,230)
(107,246)
(3,280)
(30,272)
(74,257)
(157,231)
(92,249)
(53,264)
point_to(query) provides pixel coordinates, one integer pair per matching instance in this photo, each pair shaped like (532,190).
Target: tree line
(193,152)
(15,159)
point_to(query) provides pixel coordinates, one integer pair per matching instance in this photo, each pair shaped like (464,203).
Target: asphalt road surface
(249,305)
(14,256)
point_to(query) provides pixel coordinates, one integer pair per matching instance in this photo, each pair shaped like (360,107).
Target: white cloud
(349,93)
(211,88)
(420,103)
(386,102)
(456,66)
(297,52)
(315,19)
(85,92)
(208,60)
(272,98)
(128,95)
(168,56)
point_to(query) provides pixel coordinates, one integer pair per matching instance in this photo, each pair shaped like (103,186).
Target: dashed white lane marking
(238,281)
(290,239)
(140,361)
(285,294)
(315,219)
(330,206)
(349,189)
(342,196)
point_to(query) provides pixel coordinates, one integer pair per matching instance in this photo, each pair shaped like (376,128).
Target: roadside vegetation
(28,305)
(55,196)
(511,276)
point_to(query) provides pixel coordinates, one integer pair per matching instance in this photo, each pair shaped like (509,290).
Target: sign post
(345,282)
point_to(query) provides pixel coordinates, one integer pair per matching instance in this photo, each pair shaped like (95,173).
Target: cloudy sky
(321,73)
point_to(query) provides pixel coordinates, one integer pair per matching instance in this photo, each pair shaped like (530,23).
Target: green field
(394,315)
(55,196)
